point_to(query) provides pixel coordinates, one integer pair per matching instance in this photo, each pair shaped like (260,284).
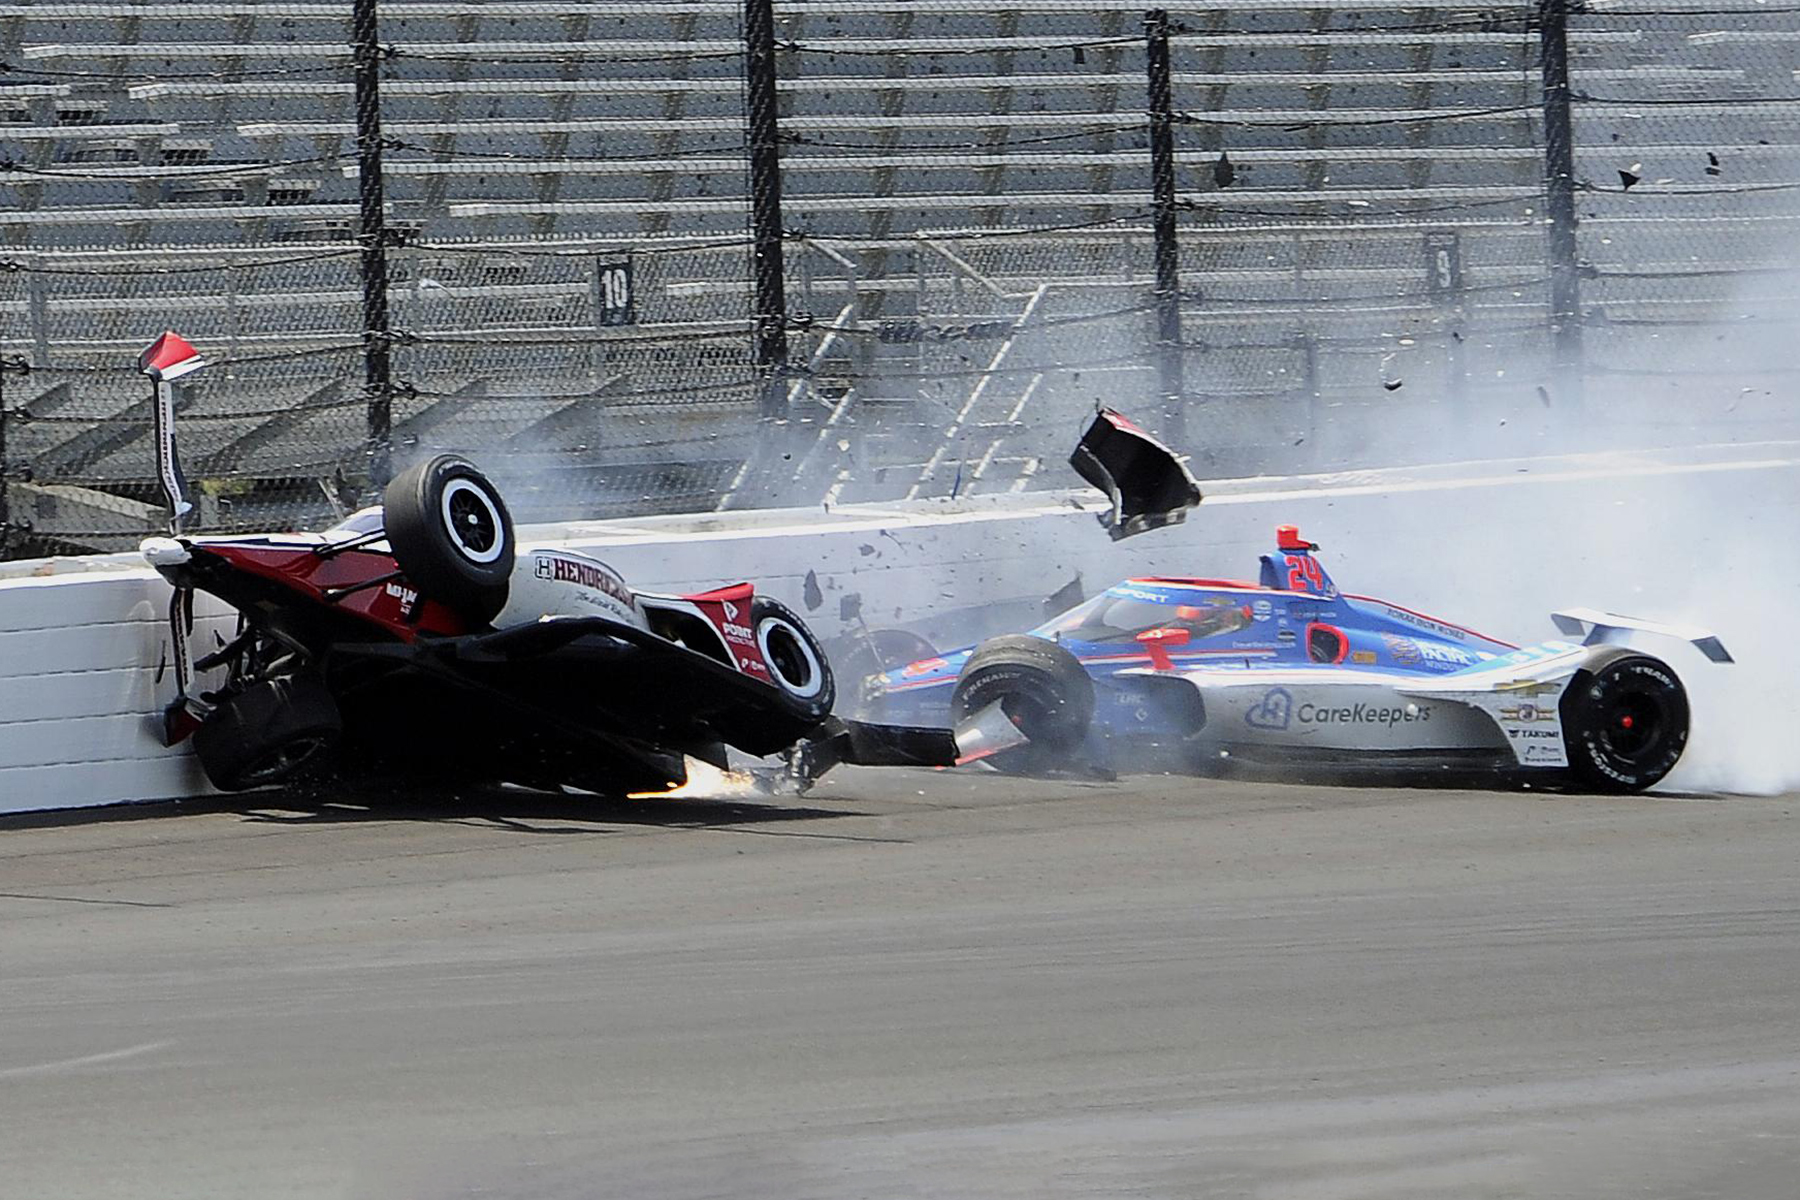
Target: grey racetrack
(908,985)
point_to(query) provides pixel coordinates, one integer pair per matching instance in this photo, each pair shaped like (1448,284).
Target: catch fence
(657,256)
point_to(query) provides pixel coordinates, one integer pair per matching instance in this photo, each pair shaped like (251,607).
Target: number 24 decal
(1303,571)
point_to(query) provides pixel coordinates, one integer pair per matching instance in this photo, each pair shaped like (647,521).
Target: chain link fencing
(966,232)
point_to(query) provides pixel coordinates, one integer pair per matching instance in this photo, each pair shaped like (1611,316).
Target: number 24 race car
(1290,671)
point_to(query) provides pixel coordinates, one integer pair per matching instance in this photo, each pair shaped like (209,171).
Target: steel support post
(771,347)
(1559,183)
(1168,262)
(372,234)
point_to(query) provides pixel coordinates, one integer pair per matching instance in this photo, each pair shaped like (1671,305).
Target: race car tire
(1041,687)
(797,663)
(273,732)
(451,535)
(1625,723)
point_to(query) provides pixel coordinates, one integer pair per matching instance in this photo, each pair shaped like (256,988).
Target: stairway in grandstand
(943,349)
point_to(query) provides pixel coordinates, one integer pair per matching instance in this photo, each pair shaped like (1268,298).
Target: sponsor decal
(1417,621)
(1535,752)
(1403,650)
(1142,594)
(1413,652)
(1530,689)
(1262,610)
(1388,715)
(1286,637)
(734,631)
(1448,656)
(1364,657)
(731,610)
(407,596)
(924,666)
(1274,711)
(595,576)
(1528,734)
(1528,712)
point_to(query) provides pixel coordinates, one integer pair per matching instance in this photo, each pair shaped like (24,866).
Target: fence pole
(1559,181)
(377,363)
(5,468)
(1168,262)
(765,204)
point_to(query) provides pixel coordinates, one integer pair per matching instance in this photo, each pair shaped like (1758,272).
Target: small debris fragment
(1629,179)
(1223,170)
(1544,395)
(1712,164)
(810,593)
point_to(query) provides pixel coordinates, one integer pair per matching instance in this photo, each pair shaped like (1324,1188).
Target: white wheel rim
(815,674)
(455,488)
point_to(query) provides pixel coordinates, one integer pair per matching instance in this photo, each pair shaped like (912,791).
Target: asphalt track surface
(908,985)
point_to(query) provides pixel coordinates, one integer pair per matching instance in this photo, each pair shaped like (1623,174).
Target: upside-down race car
(417,638)
(1290,671)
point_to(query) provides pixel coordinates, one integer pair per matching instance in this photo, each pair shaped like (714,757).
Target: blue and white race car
(1290,671)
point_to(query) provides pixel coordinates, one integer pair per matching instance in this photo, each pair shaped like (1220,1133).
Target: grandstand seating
(186,163)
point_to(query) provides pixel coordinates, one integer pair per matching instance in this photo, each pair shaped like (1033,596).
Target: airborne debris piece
(1149,486)
(1067,596)
(1630,179)
(1712,164)
(1223,172)
(1544,394)
(417,638)
(1293,673)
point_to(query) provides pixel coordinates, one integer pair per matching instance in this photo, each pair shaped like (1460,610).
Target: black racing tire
(275,732)
(1042,687)
(451,535)
(797,663)
(1625,723)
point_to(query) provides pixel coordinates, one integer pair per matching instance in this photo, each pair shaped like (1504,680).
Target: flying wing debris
(1149,486)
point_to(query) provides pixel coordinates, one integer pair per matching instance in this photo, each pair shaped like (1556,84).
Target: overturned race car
(417,639)
(1288,671)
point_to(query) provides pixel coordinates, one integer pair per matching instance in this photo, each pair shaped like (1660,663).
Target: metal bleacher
(193,164)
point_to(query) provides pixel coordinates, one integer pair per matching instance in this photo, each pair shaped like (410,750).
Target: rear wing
(1148,485)
(1596,627)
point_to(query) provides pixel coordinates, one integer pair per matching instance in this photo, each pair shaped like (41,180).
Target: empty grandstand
(968,258)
